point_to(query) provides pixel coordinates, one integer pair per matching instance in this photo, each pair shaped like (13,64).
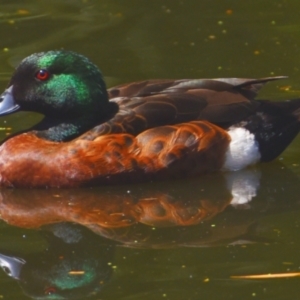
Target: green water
(134,40)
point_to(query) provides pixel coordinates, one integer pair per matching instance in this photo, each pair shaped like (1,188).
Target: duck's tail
(274,125)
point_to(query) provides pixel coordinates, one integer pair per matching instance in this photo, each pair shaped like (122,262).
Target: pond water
(184,239)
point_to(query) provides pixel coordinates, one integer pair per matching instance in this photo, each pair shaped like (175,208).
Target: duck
(140,131)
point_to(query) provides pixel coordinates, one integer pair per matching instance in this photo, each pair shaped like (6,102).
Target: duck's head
(62,85)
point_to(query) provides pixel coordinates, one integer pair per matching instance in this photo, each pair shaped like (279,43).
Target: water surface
(139,247)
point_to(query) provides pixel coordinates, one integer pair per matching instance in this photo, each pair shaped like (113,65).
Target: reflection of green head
(65,276)
(69,278)
(74,266)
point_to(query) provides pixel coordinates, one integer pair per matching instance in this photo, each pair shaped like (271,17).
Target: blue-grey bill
(11,265)
(7,102)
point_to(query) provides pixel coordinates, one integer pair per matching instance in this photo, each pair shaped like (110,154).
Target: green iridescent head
(65,87)
(59,84)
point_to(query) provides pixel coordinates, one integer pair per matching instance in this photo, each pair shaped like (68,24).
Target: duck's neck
(62,130)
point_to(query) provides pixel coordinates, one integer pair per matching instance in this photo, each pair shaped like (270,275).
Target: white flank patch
(242,150)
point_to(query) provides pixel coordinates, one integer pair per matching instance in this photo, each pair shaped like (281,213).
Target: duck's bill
(11,265)
(7,102)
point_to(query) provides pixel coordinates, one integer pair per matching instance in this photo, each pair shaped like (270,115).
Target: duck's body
(148,130)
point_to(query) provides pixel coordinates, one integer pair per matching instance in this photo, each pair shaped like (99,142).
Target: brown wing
(151,103)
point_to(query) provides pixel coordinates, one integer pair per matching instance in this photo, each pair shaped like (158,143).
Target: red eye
(42,75)
(50,290)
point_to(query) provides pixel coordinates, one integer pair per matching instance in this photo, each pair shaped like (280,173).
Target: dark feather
(147,104)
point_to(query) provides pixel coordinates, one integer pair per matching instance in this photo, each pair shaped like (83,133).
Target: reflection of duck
(122,214)
(74,265)
(157,215)
(149,129)
(151,204)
